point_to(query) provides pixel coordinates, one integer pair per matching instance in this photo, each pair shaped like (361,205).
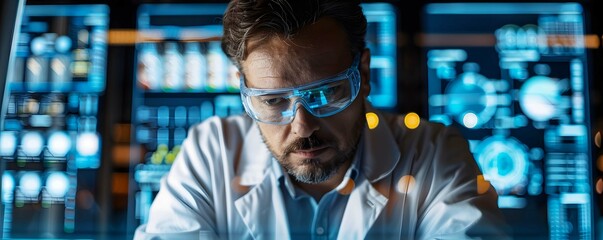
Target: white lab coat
(222,186)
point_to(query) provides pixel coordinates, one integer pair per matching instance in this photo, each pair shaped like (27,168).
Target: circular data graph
(471,99)
(504,162)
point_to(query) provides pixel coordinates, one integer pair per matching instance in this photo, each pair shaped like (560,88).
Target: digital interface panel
(183,77)
(513,78)
(51,143)
(382,41)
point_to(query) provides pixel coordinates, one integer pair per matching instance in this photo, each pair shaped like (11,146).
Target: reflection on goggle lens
(322,98)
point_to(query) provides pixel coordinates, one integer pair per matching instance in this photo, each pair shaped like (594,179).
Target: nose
(304,124)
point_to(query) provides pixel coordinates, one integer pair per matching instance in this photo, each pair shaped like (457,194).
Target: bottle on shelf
(149,67)
(195,72)
(173,62)
(81,56)
(37,64)
(61,62)
(217,68)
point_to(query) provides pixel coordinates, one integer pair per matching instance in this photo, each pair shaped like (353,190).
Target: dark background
(412,96)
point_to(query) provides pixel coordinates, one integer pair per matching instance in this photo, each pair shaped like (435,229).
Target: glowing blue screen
(512,77)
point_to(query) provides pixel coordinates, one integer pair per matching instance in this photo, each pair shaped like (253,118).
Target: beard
(315,170)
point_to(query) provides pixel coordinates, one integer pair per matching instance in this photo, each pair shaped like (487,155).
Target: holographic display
(381,39)
(512,77)
(51,141)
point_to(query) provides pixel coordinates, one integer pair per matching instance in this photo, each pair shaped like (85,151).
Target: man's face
(309,148)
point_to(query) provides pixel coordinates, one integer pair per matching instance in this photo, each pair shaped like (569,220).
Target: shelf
(49,87)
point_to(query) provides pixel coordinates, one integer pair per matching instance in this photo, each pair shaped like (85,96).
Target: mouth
(310,153)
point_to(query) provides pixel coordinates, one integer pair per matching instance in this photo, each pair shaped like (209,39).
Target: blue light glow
(38,45)
(62,44)
(539,98)
(8,186)
(471,93)
(8,144)
(57,184)
(30,184)
(88,144)
(443,119)
(59,144)
(512,202)
(32,143)
(534,143)
(503,161)
(504,8)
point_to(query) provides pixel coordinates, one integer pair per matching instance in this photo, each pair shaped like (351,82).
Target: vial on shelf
(195,72)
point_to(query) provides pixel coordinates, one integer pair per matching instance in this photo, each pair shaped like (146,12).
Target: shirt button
(320,230)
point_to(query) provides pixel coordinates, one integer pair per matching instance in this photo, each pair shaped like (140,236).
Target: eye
(335,91)
(331,90)
(274,101)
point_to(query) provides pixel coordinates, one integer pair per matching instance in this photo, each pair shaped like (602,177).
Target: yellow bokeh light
(599,186)
(372,120)
(412,120)
(600,163)
(482,184)
(349,187)
(406,184)
(598,139)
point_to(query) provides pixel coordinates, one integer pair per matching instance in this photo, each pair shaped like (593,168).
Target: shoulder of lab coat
(443,201)
(204,168)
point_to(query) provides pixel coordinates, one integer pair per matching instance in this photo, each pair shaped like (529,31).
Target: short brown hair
(245,19)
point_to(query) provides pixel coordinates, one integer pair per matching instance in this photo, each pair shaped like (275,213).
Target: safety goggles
(321,98)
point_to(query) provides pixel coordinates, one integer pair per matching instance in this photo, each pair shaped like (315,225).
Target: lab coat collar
(255,158)
(362,210)
(263,210)
(381,152)
(370,196)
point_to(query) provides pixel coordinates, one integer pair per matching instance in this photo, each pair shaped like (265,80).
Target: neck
(317,190)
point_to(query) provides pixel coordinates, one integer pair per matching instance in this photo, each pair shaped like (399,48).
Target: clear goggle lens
(322,98)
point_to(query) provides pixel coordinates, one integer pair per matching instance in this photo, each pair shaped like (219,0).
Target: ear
(365,73)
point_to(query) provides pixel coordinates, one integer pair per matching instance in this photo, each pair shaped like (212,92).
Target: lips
(310,153)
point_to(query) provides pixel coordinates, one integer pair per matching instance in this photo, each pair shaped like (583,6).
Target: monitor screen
(513,78)
(51,142)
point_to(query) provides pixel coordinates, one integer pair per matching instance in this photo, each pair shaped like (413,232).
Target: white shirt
(412,184)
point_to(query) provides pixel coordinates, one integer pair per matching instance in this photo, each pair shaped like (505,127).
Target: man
(305,163)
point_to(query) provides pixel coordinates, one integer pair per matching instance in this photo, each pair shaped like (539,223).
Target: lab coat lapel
(254,160)
(380,157)
(261,208)
(381,151)
(364,207)
(263,211)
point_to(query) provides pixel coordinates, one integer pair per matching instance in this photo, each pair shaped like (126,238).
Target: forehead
(319,50)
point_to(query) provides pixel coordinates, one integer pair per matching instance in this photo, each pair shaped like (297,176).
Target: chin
(312,171)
